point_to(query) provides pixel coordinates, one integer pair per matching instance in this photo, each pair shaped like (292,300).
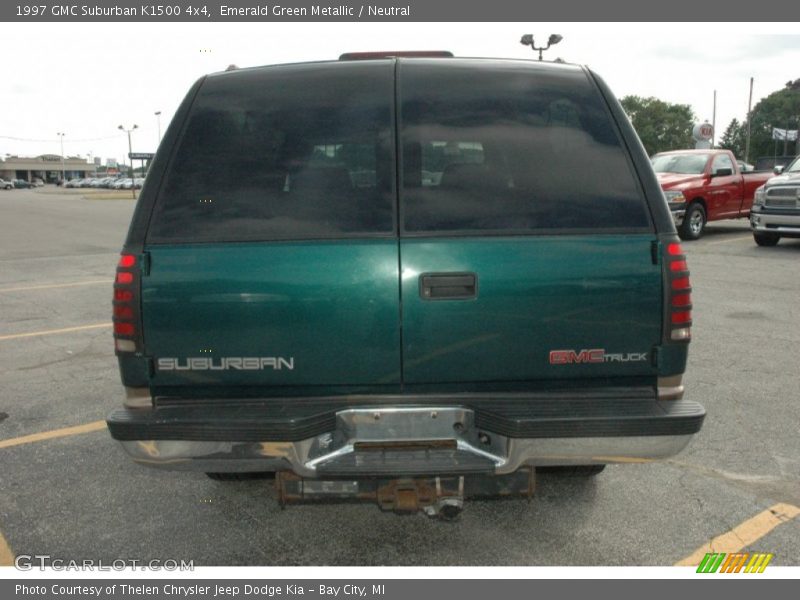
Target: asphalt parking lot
(73,494)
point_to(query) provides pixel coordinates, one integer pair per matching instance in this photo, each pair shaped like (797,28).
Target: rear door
(526,244)
(273,265)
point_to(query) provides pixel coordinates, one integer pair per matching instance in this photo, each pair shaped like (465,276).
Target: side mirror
(777,169)
(722,172)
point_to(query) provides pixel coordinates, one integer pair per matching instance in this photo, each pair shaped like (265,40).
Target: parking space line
(53,433)
(744,534)
(6,556)
(51,286)
(729,240)
(16,336)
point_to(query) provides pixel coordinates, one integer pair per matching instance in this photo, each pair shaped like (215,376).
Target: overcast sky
(85,79)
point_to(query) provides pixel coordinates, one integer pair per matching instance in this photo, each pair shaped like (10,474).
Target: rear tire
(241,476)
(574,471)
(694,222)
(766,239)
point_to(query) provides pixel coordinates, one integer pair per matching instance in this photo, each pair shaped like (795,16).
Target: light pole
(158,120)
(527,40)
(130,151)
(63,168)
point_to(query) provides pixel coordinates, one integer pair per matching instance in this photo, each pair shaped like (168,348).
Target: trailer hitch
(441,497)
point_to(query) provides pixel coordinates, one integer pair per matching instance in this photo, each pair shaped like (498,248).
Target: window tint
(295,152)
(510,149)
(684,164)
(722,161)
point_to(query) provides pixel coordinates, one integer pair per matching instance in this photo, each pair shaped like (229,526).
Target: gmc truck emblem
(593,356)
(566,357)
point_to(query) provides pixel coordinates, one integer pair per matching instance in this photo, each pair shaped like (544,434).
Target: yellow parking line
(50,286)
(54,433)
(744,534)
(15,336)
(6,556)
(729,240)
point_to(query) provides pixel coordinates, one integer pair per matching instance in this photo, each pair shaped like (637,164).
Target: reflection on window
(438,156)
(511,151)
(283,153)
(684,164)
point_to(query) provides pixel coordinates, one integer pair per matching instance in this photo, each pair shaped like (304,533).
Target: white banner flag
(784,134)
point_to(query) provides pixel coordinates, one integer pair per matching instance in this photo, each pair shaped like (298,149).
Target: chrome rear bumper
(416,440)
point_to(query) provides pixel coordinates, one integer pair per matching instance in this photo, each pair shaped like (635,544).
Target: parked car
(73,183)
(776,209)
(705,185)
(6,185)
(22,184)
(37,182)
(546,309)
(772,163)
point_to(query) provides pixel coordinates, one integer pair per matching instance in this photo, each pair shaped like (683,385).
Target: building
(46,167)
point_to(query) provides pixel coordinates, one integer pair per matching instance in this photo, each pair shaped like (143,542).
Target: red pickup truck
(705,185)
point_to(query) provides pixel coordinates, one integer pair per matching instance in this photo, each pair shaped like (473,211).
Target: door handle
(448,286)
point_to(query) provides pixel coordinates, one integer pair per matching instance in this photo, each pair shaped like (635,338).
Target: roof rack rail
(394,53)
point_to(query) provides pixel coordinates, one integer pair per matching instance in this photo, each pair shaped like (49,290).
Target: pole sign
(141,155)
(702,134)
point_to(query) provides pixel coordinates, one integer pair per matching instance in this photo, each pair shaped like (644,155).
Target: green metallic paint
(335,306)
(331,305)
(535,294)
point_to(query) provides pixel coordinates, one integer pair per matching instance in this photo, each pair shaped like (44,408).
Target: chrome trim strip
(670,387)
(789,224)
(137,397)
(248,457)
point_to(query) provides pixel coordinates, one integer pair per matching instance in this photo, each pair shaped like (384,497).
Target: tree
(661,125)
(733,138)
(780,109)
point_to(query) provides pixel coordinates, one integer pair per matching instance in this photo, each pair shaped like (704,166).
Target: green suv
(396,271)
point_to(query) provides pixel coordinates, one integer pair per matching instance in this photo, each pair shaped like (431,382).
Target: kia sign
(702,133)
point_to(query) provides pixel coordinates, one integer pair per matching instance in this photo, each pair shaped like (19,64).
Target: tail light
(678,313)
(126,317)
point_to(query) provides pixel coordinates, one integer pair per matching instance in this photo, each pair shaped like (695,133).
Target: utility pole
(158,120)
(714,122)
(786,138)
(130,151)
(63,168)
(749,118)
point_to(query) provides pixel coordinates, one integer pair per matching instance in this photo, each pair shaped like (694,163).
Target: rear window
(511,149)
(295,152)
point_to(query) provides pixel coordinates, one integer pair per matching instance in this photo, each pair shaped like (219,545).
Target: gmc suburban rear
(405,278)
